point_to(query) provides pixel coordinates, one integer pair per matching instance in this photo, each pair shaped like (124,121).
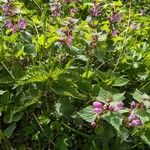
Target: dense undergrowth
(75,74)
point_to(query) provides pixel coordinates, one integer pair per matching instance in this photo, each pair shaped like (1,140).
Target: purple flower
(22,24)
(69,40)
(116,17)
(133,105)
(73,10)
(136,122)
(120,104)
(6,8)
(114,32)
(131,116)
(9,24)
(55,9)
(116,106)
(97,110)
(95,10)
(97,104)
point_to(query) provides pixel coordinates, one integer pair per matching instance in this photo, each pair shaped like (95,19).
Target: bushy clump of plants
(75,74)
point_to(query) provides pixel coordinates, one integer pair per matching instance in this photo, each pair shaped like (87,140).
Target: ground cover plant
(75,74)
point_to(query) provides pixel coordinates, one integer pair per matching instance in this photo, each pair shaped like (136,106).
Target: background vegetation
(58,58)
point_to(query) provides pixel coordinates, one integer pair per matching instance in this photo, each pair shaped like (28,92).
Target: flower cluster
(55,8)
(10,10)
(67,34)
(99,107)
(133,120)
(114,18)
(95,10)
(21,25)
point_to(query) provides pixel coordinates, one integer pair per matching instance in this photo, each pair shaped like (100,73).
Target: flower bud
(97,105)
(133,105)
(93,124)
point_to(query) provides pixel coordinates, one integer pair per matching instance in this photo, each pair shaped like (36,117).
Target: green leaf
(87,114)
(102,75)
(143,115)
(115,119)
(103,95)
(1,136)
(41,39)
(118,97)
(84,86)
(123,133)
(2,92)
(5,98)
(137,95)
(145,139)
(119,81)
(8,131)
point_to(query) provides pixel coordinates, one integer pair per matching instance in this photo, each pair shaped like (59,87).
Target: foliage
(60,57)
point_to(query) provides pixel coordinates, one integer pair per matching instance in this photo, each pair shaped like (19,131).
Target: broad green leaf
(87,114)
(119,81)
(115,119)
(8,131)
(103,95)
(118,97)
(137,95)
(123,133)
(143,115)
(41,39)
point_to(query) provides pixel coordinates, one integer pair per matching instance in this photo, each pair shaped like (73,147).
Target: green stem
(76,131)
(8,70)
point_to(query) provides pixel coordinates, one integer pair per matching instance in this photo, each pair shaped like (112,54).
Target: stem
(8,70)
(38,123)
(124,41)
(76,131)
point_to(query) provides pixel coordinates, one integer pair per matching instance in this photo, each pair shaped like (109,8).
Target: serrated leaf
(103,95)
(118,97)
(137,95)
(143,115)
(87,114)
(114,119)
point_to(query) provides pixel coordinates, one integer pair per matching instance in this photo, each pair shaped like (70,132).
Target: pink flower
(22,24)
(9,24)
(97,110)
(93,124)
(73,10)
(97,105)
(131,116)
(116,106)
(69,40)
(114,18)
(95,10)
(114,32)
(136,122)
(6,8)
(133,105)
